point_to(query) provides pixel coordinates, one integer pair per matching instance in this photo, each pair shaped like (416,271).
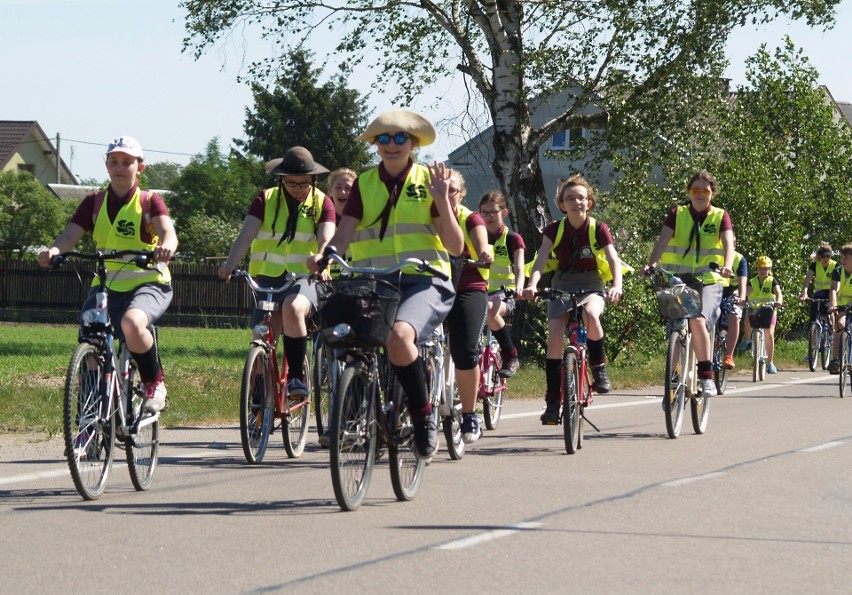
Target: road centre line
(479,538)
(823,446)
(685,480)
(33,476)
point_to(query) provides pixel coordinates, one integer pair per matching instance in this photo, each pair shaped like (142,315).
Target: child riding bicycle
(840,294)
(764,289)
(738,288)
(127,218)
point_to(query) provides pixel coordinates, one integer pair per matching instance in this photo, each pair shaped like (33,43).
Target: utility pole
(58,159)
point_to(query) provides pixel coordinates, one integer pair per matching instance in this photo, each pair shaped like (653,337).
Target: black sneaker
(510,366)
(834,367)
(601,384)
(471,432)
(550,417)
(425,436)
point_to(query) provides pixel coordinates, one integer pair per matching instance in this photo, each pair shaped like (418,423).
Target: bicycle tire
(294,424)
(762,362)
(452,425)
(571,422)
(353,439)
(674,396)
(828,345)
(406,467)
(720,372)
(814,332)
(323,383)
(842,357)
(142,449)
(257,415)
(699,408)
(492,404)
(89,446)
(756,344)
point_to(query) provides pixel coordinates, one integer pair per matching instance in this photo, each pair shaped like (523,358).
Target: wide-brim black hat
(297,161)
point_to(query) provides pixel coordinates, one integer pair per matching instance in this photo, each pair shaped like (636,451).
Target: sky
(93,70)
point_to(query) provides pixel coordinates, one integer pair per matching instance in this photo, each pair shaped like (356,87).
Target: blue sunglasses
(399,138)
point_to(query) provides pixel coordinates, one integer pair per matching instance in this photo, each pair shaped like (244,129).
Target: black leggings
(465,323)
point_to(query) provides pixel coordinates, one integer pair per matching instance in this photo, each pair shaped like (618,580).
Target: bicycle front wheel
(843,357)
(827,344)
(756,355)
(674,397)
(453,424)
(495,384)
(89,437)
(323,383)
(256,405)
(294,424)
(700,408)
(813,345)
(353,437)
(141,449)
(571,423)
(406,468)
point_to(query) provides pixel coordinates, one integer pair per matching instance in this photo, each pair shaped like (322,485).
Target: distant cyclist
(764,288)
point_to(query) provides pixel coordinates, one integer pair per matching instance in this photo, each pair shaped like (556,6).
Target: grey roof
(69,192)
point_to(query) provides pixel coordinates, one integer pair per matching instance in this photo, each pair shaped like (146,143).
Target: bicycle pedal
(550,423)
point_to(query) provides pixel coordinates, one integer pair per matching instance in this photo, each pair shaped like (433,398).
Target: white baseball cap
(126,144)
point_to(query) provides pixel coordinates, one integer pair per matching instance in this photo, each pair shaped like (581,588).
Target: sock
(597,353)
(705,369)
(552,375)
(504,339)
(295,349)
(148,365)
(412,378)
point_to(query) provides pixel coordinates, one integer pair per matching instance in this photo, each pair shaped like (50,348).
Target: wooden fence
(28,291)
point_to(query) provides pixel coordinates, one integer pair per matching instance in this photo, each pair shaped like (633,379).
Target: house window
(27,167)
(565,139)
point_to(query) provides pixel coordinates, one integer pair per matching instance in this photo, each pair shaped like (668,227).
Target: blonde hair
(846,250)
(462,186)
(340,171)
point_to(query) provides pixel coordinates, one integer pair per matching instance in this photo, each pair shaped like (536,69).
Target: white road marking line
(820,446)
(484,537)
(33,476)
(685,480)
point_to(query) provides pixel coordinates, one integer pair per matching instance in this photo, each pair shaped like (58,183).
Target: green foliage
(161,176)
(299,110)
(30,215)
(206,236)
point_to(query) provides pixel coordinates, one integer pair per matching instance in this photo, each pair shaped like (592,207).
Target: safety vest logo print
(501,251)
(586,252)
(416,192)
(709,228)
(125,228)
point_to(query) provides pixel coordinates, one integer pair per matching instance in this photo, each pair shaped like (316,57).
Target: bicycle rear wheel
(571,421)
(492,404)
(844,356)
(406,468)
(257,414)
(323,384)
(699,407)
(674,396)
(141,449)
(294,422)
(452,425)
(813,345)
(720,372)
(827,346)
(353,436)
(89,446)
(756,351)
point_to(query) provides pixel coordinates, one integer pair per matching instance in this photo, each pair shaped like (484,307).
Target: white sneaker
(155,397)
(707,387)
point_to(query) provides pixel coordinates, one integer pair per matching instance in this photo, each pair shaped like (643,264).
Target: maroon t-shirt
(354,206)
(574,251)
(85,213)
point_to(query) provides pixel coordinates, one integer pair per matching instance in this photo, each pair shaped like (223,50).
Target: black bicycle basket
(367,306)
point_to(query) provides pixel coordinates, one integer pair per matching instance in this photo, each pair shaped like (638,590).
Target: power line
(86,142)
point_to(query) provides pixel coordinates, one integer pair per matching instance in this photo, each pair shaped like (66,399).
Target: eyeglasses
(453,191)
(489,213)
(700,191)
(299,185)
(574,197)
(399,138)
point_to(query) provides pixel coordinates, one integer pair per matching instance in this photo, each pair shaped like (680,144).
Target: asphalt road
(761,503)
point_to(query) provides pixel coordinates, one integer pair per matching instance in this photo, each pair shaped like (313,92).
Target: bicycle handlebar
(551,293)
(141,258)
(289,280)
(419,264)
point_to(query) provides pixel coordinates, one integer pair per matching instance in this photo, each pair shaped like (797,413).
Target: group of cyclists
(400,209)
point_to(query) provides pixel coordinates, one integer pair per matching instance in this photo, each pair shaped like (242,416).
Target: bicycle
(844,352)
(445,395)
(326,372)
(263,393)
(492,386)
(676,304)
(369,407)
(102,406)
(720,345)
(820,336)
(760,320)
(576,384)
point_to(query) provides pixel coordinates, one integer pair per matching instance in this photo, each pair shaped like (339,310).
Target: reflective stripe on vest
(462,215)
(822,276)
(685,253)
(411,233)
(502,273)
(125,233)
(272,257)
(761,292)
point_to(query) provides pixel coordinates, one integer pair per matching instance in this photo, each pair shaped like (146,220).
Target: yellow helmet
(764,262)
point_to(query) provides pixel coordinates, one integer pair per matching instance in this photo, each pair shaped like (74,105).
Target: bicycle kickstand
(588,421)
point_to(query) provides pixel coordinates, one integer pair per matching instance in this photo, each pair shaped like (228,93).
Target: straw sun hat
(400,121)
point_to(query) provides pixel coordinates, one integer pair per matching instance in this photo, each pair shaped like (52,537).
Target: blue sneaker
(771,369)
(744,345)
(471,432)
(296,389)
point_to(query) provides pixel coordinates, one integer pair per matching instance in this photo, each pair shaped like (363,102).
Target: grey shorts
(300,287)
(557,308)
(425,302)
(509,303)
(152,298)
(711,300)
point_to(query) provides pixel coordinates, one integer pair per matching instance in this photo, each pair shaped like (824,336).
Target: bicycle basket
(762,317)
(677,302)
(367,306)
